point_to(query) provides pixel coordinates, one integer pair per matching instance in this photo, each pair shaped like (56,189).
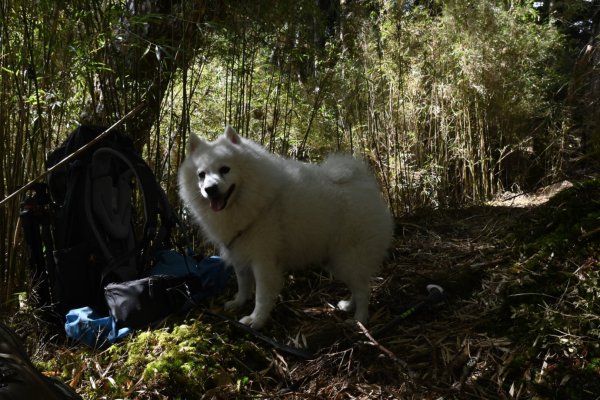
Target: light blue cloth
(86,326)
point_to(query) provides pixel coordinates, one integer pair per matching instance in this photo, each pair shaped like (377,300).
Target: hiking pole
(74,154)
(436,293)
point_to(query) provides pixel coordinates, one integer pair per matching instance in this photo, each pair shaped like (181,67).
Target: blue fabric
(212,271)
(86,326)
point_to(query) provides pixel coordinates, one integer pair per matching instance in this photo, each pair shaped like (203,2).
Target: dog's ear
(194,143)
(232,135)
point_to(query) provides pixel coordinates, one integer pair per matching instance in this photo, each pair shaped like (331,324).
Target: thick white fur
(284,214)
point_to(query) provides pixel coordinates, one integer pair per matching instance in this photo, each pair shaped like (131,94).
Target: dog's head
(216,166)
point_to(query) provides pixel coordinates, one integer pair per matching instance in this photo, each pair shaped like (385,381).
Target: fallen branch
(384,350)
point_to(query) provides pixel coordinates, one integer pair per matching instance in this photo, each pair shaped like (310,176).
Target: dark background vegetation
(452,102)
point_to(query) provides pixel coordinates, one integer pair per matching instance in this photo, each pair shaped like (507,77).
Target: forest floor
(520,319)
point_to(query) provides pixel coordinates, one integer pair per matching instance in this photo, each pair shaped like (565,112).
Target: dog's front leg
(269,282)
(245,283)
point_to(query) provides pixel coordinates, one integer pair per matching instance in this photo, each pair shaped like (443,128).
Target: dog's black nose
(212,191)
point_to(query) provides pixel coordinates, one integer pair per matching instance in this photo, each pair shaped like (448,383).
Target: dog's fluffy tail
(344,168)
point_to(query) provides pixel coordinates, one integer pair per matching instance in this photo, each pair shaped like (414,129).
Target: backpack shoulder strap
(154,199)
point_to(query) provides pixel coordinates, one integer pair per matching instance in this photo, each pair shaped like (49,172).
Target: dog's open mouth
(219,201)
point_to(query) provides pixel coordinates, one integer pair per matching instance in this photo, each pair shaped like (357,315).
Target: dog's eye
(224,170)
(201,175)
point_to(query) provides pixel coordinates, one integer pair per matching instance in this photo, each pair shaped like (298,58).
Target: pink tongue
(217,204)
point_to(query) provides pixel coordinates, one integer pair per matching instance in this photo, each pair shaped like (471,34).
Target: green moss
(181,361)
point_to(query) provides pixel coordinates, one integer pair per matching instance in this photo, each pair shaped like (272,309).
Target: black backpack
(108,218)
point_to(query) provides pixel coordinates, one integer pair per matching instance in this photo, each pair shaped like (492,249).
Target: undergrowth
(552,296)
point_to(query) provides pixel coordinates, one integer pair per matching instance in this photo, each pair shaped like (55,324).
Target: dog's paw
(253,321)
(346,305)
(233,304)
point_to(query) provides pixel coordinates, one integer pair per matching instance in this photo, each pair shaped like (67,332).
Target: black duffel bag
(147,301)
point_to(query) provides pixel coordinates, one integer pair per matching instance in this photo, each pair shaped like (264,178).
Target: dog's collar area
(235,237)
(239,233)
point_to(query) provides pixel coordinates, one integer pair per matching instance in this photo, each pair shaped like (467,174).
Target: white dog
(268,214)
